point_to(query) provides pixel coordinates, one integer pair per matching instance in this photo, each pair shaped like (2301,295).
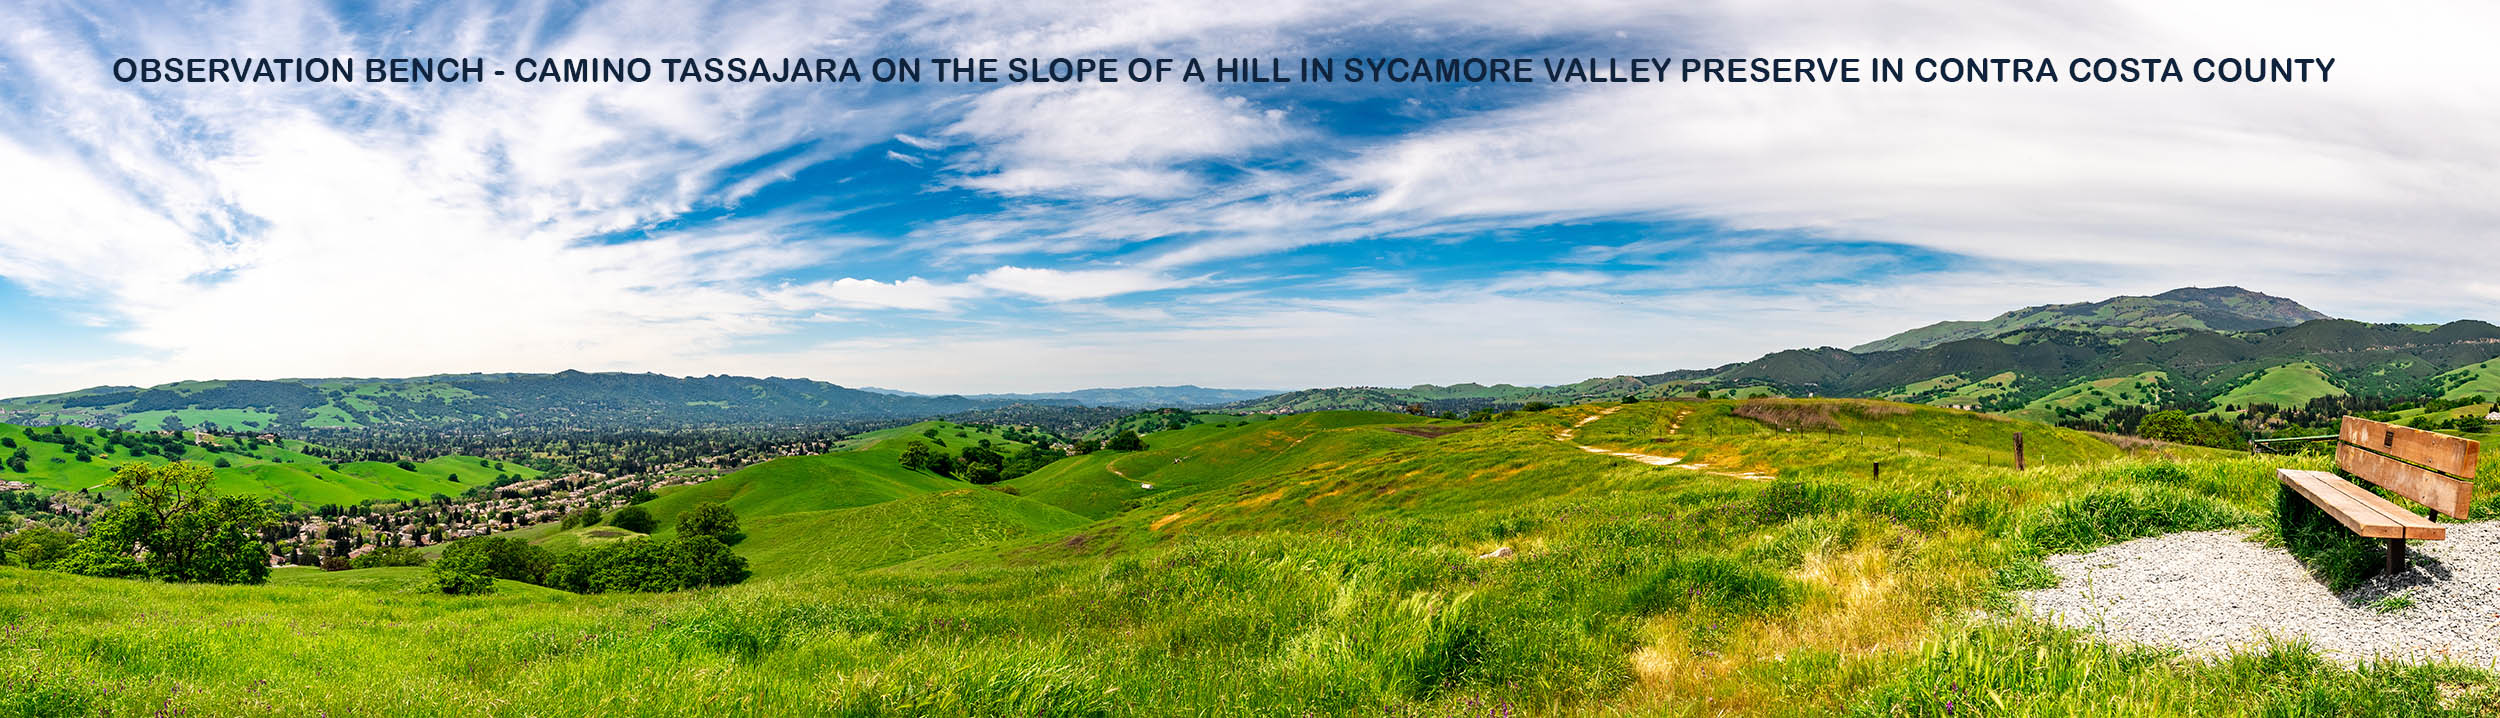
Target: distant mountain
(2222,350)
(1134,397)
(568,399)
(2223,309)
(2055,375)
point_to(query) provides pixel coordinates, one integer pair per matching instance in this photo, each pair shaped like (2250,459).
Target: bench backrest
(2431,468)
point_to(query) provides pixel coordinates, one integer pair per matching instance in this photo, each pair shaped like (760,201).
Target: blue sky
(950,238)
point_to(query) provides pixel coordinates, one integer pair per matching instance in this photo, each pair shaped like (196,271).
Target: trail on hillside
(1674,426)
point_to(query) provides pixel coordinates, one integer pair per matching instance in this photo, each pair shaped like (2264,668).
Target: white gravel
(2211,592)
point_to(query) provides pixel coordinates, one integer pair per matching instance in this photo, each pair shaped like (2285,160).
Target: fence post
(2018,451)
(1879,471)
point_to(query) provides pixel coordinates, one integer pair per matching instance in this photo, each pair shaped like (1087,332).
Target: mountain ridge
(2223,309)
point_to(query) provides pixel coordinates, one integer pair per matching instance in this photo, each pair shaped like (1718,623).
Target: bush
(585,516)
(635,519)
(497,557)
(1126,441)
(649,565)
(38,546)
(336,563)
(460,577)
(713,519)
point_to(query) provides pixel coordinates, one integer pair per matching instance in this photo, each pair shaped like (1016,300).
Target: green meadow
(1320,564)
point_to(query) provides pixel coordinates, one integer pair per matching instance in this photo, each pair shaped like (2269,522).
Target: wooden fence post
(2018,451)
(1879,471)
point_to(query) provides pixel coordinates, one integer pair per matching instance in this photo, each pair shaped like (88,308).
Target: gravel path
(2213,591)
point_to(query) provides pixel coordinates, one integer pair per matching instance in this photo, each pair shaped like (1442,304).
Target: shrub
(635,519)
(584,516)
(1126,441)
(38,546)
(649,565)
(464,574)
(497,557)
(336,563)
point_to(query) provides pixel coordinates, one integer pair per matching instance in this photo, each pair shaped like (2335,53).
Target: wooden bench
(2433,469)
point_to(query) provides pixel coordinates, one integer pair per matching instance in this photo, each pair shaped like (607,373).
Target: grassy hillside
(1185,461)
(812,544)
(2287,385)
(408,580)
(2095,398)
(281,469)
(2481,380)
(1333,567)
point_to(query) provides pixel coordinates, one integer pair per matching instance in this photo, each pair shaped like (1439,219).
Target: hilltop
(2221,309)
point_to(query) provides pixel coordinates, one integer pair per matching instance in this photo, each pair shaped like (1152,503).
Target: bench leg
(2395,556)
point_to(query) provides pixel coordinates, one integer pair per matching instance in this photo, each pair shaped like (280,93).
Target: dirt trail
(1675,425)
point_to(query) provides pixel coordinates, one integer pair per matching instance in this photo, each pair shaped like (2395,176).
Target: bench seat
(2366,513)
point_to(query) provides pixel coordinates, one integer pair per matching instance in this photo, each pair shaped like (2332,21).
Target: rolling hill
(2203,350)
(2224,309)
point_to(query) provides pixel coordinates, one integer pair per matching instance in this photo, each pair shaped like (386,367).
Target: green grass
(412,580)
(813,543)
(1186,461)
(1319,565)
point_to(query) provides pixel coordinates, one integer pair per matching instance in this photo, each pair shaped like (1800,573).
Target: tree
(496,557)
(635,519)
(710,518)
(1125,441)
(172,526)
(38,546)
(463,575)
(918,456)
(649,565)
(586,516)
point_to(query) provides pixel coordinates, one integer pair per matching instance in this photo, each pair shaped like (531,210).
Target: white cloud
(1106,140)
(1065,284)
